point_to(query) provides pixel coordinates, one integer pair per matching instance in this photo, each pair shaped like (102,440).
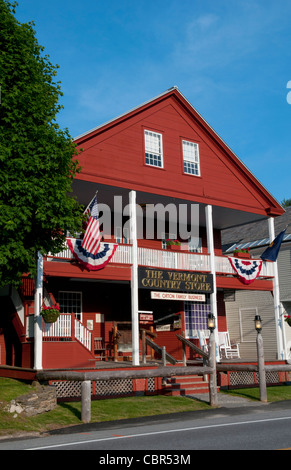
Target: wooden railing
(67,327)
(171,260)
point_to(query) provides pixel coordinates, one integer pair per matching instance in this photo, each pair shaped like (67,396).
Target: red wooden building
(162,152)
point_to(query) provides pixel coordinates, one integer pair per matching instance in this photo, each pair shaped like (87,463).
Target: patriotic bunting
(247,270)
(87,259)
(90,251)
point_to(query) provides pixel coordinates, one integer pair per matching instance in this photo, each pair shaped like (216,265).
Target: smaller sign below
(146,318)
(177,296)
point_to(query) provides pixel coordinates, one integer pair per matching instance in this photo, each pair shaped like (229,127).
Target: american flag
(92,238)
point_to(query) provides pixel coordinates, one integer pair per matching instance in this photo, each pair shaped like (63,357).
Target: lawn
(69,413)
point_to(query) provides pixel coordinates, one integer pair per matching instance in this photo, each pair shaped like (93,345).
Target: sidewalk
(227,401)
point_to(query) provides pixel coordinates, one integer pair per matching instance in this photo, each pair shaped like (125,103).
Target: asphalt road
(171,439)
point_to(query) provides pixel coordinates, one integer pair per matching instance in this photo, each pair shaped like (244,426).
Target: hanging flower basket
(50,314)
(288,319)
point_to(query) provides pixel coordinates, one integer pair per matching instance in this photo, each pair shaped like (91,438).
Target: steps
(186,385)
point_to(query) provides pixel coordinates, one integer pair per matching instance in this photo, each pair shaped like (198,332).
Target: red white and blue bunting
(247,269)
(87,259)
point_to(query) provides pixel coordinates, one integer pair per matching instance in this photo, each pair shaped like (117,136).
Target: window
(153,149)
(118,235)
(191,158)
(195,245)
(71,302)
(195,318)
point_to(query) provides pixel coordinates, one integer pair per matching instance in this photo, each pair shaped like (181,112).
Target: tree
(286,202)
(37,159)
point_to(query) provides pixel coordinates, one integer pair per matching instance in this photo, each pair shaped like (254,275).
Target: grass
(69,413)
(274,393)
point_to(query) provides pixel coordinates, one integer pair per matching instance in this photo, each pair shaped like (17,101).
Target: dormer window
(153,149)
(191,158)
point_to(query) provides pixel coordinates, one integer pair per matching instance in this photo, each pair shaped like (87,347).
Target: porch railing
(67,327)
(171,260)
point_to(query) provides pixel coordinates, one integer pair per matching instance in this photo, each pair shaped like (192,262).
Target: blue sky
(230,58)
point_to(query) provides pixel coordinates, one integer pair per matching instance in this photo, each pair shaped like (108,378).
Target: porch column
(213,297)
(37,316)
(278,308)
(134,280)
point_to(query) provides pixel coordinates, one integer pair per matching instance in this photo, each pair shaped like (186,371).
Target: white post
(37,316)
(134,280)
(280,333)
(213,296)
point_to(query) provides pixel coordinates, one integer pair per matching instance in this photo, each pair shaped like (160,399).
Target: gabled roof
(266,204)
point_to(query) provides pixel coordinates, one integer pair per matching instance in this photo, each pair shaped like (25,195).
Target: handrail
(160,350)
(188,343)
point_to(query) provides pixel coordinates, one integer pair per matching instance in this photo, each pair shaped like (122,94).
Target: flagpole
(281,350)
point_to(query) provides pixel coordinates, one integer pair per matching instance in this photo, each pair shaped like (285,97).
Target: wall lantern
(211,322)
(258,323)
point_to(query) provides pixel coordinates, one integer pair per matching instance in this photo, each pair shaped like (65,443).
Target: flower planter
(288,321)
(242,255)
(50,315)
(174,247)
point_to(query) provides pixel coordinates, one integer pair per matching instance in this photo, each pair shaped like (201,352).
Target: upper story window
(191,158)
(153,149)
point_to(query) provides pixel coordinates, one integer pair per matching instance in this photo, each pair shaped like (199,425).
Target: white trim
(134,280)
(37,316)
(278,308)
(213,296)
(190,151)
(153,147)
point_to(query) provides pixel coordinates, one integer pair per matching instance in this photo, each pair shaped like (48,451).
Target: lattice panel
(151,384)
(114,387)
(251,378)
(241,378)
(68,389)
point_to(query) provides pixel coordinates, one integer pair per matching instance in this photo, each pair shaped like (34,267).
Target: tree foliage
(286,202)
(37,158)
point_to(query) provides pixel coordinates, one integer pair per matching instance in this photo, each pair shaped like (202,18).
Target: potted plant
(173,244)
(50,314)
(288,319)
(242,253)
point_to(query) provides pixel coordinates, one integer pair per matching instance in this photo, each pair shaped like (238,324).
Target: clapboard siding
(263,302)
(284,270)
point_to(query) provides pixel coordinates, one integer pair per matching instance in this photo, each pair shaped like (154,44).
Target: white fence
(62,328)
(171,260)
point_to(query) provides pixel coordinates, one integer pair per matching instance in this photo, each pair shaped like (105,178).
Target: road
(263,427)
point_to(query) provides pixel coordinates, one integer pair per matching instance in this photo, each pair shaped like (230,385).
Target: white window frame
(191,160)
(195,245)
(122,237)
(195,317)
(153,149)
(72,308)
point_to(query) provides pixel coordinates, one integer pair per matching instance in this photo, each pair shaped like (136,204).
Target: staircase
(186,385)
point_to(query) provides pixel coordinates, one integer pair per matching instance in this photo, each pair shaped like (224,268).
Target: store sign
(177,296)
(146,318)
(175,281)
